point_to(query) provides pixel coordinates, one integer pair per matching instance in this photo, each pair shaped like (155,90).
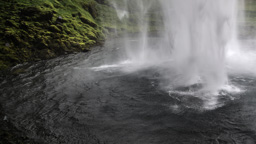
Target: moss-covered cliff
(247,24)
(39,29)
(33,30)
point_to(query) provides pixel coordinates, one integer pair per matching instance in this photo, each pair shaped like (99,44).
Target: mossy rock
(11,23)
(46,54)
(24,25)
(91,8)
(30,11)
(90,42)
(36,14)
(54,28)
(41,29)
(88,21)
(92,36)
(60,19)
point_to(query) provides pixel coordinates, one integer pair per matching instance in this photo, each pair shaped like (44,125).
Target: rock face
(34,29)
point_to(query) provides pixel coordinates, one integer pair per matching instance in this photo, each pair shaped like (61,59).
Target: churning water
(199,32)
(197,44)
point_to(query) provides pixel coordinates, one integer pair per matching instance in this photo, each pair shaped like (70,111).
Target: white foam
(210,98)
(109,66)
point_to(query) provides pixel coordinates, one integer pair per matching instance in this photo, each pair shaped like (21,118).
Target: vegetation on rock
(40,29)
(33,30)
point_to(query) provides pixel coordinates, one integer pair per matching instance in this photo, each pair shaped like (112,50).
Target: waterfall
(200,32)
(193,40)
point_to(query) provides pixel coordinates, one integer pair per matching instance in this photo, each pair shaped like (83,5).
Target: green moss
(42,29)
(9,32)
(6,50)
(90,42)
(54,28)
(11,23)
(88,21)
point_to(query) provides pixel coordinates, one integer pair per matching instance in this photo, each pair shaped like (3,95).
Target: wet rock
(46,54)
(110,29)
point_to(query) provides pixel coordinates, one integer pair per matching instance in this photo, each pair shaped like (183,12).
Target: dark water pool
(66,100)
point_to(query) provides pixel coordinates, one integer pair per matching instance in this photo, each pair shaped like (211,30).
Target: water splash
(199,32)
(192,43)
(191,52)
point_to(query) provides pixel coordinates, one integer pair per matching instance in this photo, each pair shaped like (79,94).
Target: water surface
(87,98)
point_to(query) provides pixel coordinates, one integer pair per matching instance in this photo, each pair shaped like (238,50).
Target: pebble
(7,44)
(5,118)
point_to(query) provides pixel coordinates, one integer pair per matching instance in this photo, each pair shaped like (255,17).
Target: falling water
(200,32)
(193,41)
(121,11)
